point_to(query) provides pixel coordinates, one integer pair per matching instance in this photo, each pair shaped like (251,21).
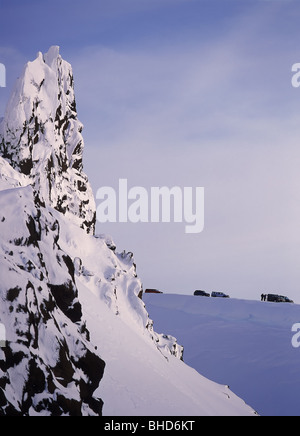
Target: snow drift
(78,333)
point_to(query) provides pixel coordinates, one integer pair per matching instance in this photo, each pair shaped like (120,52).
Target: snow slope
(142,377)
(245,344)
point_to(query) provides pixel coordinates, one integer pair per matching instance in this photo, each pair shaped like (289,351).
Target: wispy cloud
(208,89)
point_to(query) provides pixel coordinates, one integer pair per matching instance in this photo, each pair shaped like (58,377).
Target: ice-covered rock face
(48,365)
(40,136)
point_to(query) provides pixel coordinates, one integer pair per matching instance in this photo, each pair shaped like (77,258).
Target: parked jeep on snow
(153,291)
(219,295)
(273,298)
(201,294)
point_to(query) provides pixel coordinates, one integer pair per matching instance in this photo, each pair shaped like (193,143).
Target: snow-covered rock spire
(40,136)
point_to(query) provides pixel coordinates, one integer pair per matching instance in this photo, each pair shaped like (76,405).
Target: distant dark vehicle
(273,298)
(219,295)
(201,294)
(153,291)
(287,300)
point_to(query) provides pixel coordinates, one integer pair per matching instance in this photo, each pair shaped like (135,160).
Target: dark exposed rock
(65,296)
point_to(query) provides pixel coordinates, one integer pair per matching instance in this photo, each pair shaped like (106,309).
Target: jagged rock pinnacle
(40,136)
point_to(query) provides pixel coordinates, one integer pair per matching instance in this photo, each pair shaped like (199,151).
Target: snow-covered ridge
(78,332)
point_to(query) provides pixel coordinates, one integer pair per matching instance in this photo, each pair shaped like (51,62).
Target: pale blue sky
(185,93)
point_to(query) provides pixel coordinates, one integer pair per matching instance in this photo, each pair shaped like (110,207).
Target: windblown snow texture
(79,340)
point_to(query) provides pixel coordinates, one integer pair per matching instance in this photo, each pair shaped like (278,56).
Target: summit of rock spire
(40,136)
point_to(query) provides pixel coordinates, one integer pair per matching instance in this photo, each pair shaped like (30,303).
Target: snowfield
(244,344)
(139,381)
